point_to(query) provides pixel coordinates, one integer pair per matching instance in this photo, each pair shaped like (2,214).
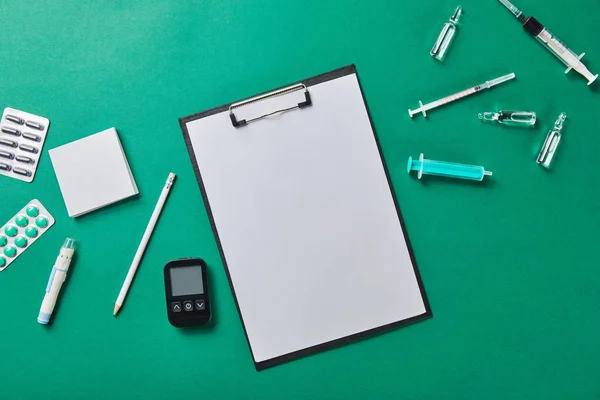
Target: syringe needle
(518,13)
(423,108)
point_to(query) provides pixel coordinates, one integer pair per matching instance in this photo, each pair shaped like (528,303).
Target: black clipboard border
(338,73)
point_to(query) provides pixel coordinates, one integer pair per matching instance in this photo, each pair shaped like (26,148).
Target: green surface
(510,265)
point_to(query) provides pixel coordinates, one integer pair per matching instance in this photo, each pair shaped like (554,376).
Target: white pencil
(144,243)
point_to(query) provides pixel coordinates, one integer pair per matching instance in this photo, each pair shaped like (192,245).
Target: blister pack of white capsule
(22,137)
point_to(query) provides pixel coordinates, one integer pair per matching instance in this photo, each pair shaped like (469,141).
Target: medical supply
(447,169)
(467,92)
(446,35)
(145,239)
(34,125)
(22,230)
(24,159)
(9,143)
(22,137)
(20,171)
(551,143)
(510,118)
(93,172)
(57,278)
(15,119)
(552,43)
(28,148)
(186,289)
(31,136)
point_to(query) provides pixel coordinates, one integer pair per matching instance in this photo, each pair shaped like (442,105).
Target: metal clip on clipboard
(277,93)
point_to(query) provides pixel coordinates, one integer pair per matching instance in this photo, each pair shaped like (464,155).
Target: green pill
(21,241)
(3,241)
(32,211)
(31,231)
(21,221)
(10,230)
(41,221)
(2,262)
(10,251)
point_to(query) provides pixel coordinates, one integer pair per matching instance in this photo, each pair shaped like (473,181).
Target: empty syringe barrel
(446,169)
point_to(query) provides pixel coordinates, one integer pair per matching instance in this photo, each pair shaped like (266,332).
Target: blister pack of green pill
(22,230)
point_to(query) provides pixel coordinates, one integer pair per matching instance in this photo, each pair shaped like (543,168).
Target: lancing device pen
(57,277)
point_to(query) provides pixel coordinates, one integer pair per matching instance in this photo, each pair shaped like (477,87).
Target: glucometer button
(176,306)
(200,305)
(188,306)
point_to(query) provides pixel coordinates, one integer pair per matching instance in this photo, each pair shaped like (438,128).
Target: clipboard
(305,217)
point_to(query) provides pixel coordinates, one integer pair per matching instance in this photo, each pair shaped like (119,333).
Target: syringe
(449,99)
(552,43)
(447,169)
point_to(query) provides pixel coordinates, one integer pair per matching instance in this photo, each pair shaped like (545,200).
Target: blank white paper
(306,220)
(93,172)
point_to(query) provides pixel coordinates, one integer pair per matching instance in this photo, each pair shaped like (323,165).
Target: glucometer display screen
(186,281)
